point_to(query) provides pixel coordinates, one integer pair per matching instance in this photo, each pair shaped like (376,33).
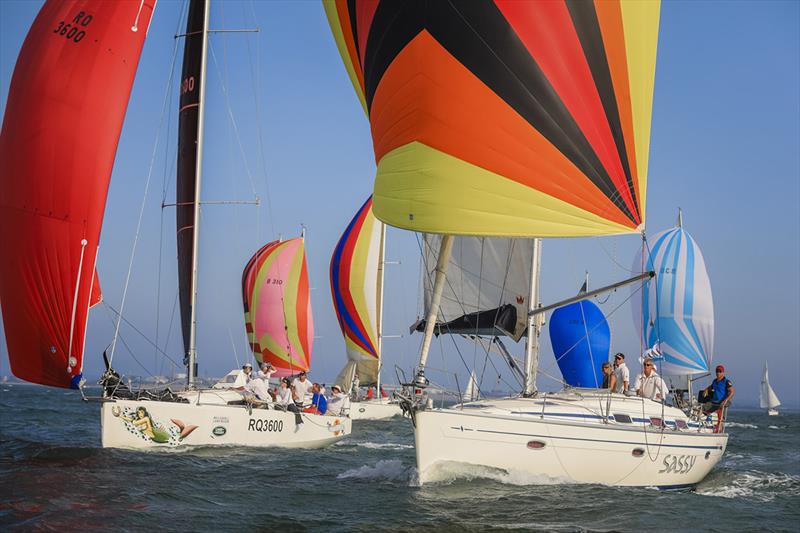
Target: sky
(284,125)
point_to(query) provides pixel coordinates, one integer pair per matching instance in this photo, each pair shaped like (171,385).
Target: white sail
(488,285)
(769,400)
(471,392)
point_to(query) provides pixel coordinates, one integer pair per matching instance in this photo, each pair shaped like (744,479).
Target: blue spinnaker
(581,341)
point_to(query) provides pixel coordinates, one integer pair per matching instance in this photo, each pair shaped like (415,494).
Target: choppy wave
(740,425)
(385,469)
(449,472)
(752,484)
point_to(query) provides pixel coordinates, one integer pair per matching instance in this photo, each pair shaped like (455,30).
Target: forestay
(488,286)
(62,123)
(677,309)
(277,308)
(355,290)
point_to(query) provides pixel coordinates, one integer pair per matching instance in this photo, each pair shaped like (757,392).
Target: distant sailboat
(769,400)
(356,275)
(471,393)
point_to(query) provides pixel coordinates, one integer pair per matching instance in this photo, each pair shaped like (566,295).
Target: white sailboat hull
(568,444)
(376,409)
(772,412)
(181,424)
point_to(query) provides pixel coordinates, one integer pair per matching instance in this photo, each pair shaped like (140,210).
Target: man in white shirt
(622,374)
(337,401)
(301,386)
(260,388)
(650,385)
(243,378)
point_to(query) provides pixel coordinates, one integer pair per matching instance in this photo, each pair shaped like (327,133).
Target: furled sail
(768,399)
(677,309)
(505,118)
(488,286)
(581,339)
(277,308)
(188,136)
(63,119)
(355,289)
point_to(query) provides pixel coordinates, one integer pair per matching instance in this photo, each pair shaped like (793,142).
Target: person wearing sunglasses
(649,384)
(718,394)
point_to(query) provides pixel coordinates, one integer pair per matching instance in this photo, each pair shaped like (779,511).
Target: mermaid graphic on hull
(139,422)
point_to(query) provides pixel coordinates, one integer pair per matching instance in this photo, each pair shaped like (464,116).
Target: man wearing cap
(337,401)
(622,374)
(243,378)
(265,371)
(718,394)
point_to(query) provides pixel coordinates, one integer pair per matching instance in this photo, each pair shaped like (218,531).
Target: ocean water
(55,477)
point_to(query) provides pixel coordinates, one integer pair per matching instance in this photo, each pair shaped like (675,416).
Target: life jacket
(719,390)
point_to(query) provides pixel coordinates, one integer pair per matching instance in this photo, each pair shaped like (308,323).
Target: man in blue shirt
(718,394)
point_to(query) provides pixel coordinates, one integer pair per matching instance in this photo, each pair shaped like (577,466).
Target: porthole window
(708,454)
(657,421)
(535,445)
(638,452)
(681,424)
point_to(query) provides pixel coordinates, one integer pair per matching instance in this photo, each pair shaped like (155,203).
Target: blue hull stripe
(596,440)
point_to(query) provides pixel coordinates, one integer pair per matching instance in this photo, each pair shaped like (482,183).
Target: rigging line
(144,197)
(589,343)
(233,121)
(125,344)
(631,295)
(137,330)
(255,73)
(171,322)
(613,260)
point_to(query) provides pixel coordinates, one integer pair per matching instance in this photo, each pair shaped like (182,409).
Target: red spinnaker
(63,119)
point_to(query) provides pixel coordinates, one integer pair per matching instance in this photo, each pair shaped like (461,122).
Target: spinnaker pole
(445,251)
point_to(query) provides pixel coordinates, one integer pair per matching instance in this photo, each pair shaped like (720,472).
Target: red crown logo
(520,299)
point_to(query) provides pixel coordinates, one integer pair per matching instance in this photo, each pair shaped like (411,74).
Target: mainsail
(277,308)
(189,163)
(768,399)
(62,123)
(581,341)
(355,290)
(677,310)
(505,118)
(487,291)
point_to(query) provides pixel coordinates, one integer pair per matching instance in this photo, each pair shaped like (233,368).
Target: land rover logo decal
(219,431)
(361,410)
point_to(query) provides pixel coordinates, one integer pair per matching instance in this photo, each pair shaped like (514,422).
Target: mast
(534,323)
(379,306)
(445,250)
(192,353)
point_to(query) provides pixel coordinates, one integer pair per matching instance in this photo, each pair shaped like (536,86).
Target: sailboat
(768,399)
(356,275)
(520,119)
(471,392)
(57,150)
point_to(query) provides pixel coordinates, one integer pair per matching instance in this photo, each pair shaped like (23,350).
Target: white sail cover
(769,400)
(677,311)
(485,274)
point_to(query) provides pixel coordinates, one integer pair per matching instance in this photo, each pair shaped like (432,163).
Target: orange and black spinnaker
(505,118)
